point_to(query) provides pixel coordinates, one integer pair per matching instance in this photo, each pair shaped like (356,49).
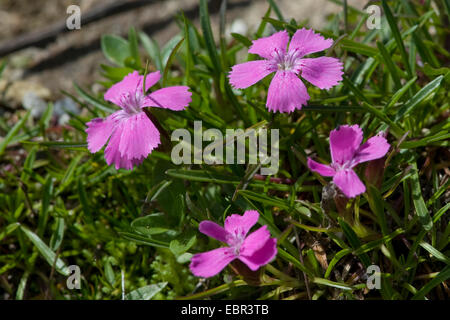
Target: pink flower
(255,250)
(346,153)
(132,136)
(286,91)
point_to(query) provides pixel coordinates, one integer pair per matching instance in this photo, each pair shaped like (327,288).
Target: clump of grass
(61,206)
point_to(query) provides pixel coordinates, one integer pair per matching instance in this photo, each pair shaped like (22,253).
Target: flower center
(131,101)
(341,166)
(286,61)
(236,239)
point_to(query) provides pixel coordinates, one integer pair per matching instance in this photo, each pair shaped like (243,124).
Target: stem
(297,239)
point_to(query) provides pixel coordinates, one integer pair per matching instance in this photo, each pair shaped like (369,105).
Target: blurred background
(45,58)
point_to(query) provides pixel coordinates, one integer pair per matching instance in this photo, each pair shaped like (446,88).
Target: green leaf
(82,195)
(8,229)
(396,33)
(116,49)
(244,40)
(115,74)
(13,132)
(209,38)
(356,91)
(182,244)
(275,8)
(424,93)
(354,241)
(109,273)
(419,203)
(134,47)
(101,105)
(430,71)
(58,234)
(46,117)
(317,108)
(147,240)
(442,276)
(167,50)
(189,56)
(333,284)
(69,174)
(79,146)
(426,141)
(211,177)
(46,197)
(152,48)
(396,130)
(435,253)
(377,205)
(389,64)
(46,252)
(151,224)
(185,257)
(22,285)
(260,197)
(170,60)
(286,256)
(399,94)
(360,48)
(362,249)
(146,292)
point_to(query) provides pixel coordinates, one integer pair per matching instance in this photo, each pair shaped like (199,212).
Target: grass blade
(46,252)
(13,132)
(396,33)
(423,93)
(419,203)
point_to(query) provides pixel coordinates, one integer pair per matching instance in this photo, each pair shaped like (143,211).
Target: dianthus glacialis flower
(346,153)
(286,91)
(255,250)
(131,134)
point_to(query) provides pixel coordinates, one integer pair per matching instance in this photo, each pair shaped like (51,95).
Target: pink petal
(349,183)
(344,142)
(213,230)
(246,74)
(130,84)
(265,47)
(139,137)
(255,241)
(174,98)
(322,169)
(374,148)
(98,132)
(323,72)
(262,256)
(286,92)
(306,42)
(136,162)
(241,224)
(208,264)
(112,154)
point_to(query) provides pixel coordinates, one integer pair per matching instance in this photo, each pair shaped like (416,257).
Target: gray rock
(31,101)
(63,107)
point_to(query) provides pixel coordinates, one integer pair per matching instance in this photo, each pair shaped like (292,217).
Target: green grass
(61,205)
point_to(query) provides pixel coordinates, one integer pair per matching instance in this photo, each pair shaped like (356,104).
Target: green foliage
(61,205)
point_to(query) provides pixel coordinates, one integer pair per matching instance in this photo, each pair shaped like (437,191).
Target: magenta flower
(255,250)
(346,153)
(132,136)
(286,91)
